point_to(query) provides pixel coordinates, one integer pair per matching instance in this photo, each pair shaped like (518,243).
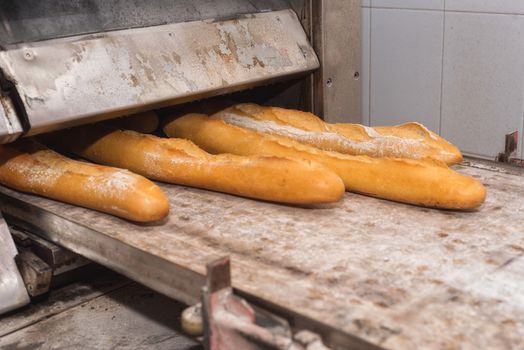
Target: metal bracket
(43,264)
(231,323)
(59,259)
(510,148)
(35,273)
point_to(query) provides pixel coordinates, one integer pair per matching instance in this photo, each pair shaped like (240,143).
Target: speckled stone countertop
(396,275)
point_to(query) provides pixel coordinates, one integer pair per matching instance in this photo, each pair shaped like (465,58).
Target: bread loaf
(422,182)
(146,122)
(182,162)
(28,166)
(411,140)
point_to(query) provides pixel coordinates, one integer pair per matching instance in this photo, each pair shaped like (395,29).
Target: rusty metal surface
(35,272)
(395,275)
(232,323)
(74,80)
(12,288)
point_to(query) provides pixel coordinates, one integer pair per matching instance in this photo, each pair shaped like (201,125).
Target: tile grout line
(442,68)
(369,63)
(453,11)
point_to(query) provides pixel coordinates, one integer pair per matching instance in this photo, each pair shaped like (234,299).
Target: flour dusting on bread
(410,140)
(36,174)
(377,145)
(112,184)
(28,166)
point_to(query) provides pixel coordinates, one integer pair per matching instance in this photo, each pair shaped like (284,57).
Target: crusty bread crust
(411,140)
(182,162)
(28,166)
(423,182)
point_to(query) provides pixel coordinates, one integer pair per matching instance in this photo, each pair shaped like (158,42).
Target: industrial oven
(362,274)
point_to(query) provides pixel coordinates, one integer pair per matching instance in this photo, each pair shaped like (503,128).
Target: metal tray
(363,272)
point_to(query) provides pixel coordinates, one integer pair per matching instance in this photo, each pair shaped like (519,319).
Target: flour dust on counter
(394,275)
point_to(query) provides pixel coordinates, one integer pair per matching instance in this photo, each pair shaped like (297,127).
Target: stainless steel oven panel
(69,81)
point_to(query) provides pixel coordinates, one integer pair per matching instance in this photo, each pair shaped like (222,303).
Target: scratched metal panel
(35,20)
(10,126)
(69,81)
(337,41)
(395,275)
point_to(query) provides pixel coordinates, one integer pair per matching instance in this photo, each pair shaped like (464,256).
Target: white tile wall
(481,58)
(483,81)
(410,4)
(493,6)
(364,70)
(406,66)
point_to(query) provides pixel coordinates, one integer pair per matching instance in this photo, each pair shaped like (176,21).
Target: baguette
(411,140)
(182,162)
(145,122)
(28,166)
(423,182)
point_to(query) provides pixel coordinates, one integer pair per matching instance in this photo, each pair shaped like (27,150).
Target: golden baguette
(28,166)
(182,162)
(145,122)
(422,182)
(411,140)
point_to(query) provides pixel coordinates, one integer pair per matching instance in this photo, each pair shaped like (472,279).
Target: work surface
(396,275)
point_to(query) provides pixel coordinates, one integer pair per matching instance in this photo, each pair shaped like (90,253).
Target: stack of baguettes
(259,152)
(405,163)
(29,166)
